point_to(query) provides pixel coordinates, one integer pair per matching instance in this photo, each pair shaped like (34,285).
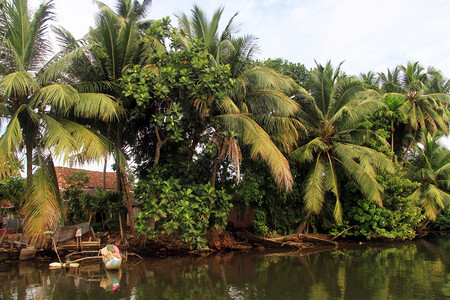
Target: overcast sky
(368,35)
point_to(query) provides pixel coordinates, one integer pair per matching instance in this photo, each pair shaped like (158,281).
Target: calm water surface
(416,270)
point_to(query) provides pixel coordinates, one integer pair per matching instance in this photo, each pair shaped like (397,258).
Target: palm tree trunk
(392,135)
(129,203)
(104,172)
(302,225)
(410,145)
(29,156)
(122,181)
(214,170)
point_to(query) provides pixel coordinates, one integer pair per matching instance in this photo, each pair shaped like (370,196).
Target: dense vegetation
(206,126)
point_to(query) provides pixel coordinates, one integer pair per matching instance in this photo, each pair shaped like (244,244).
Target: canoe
(27,253)
(111,257)
(112,264)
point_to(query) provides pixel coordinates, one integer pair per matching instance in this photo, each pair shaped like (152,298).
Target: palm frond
(305,154)
(97,106)
(433,200)
(57,139)
(12,138)
(261,146)
(41,210)
(314,187)
(17,84)
(332,184)
(271,101)
(93,146)
(59,96)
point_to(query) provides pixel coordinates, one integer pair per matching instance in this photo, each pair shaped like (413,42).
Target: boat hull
(112,264)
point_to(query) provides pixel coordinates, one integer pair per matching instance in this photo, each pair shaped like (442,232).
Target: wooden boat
(111,257)
(57,265)
(27,253)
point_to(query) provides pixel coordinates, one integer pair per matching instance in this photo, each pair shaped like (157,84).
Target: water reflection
(417,270)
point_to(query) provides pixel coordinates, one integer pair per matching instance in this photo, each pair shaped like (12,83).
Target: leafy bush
(170,207)
(442,220)
(277,212)
(397,219)
(13,189)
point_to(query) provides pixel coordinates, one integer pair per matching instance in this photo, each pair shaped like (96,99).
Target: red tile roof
(95,178)
(5,204)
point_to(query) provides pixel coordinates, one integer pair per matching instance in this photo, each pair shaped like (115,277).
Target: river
(408,270)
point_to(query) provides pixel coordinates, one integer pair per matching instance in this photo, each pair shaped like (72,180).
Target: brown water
(415,270)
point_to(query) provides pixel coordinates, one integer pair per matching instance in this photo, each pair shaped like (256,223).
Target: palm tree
(371,80)
(38,112)
(431,167)
(426,106)
(332,113)
(426,109)
(392,112)
(258,109)
(391,82)
(113,45)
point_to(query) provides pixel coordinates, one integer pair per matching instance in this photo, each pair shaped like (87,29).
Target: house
(95,178)
(95,181)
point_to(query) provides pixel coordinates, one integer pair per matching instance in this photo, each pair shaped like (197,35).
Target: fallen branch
(317,240)
(336,236)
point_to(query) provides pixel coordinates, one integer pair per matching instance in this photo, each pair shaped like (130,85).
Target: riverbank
(226,242)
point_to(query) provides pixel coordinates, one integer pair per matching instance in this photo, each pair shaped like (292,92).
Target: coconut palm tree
(392,112)
(112,45)
(431,167)
(39,114)
(391,82)
(426,109)
(332,113)
(258,109)
(426,106)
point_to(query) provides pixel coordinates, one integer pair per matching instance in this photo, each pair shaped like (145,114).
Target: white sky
(367,35)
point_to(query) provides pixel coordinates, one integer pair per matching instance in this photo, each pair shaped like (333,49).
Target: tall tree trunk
(104,172)
(122,181)
(195,140)
(29,156)
(129,203)
(159,144)
(302,225)
(214,170)
(410,145)
(392,135)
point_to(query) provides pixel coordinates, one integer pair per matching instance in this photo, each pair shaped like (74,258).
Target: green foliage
(73,195)
(171,207)
(296,71)
(81,204)
(107,204)
(277,212)
(169,93)
(397,219)
(442,220)
(13,189)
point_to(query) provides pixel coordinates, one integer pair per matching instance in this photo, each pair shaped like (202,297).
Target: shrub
(170,207)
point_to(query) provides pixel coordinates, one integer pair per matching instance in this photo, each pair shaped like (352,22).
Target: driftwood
(291,241)
(317,240)
(279,242)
